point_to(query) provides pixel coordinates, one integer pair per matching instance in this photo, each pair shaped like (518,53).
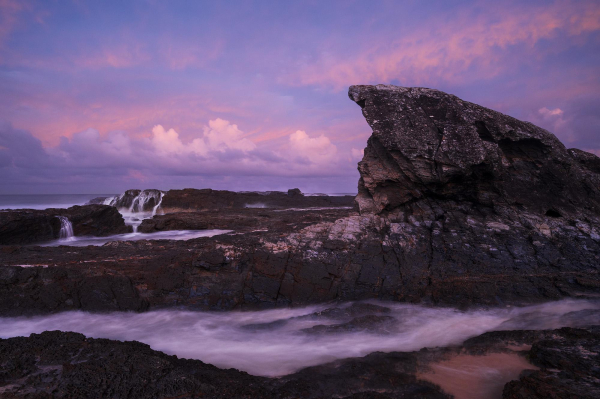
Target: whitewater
(275,342)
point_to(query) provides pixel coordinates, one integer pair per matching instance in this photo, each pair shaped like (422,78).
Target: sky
(99,97)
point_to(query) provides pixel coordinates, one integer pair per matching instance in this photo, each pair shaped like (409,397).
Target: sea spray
(274,342)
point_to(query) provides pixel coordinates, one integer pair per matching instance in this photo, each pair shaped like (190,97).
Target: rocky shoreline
(458,205)
(29,226)
(69,365)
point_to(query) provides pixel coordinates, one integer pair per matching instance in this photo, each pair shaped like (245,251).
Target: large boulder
(427,144)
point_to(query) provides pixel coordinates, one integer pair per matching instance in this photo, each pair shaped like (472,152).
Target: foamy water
(226,340)
(182,235)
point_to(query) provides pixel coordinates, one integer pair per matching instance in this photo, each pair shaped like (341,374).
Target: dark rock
(570,367)
(97,201)
(26,226)
(356,309)
(126,199)
(293,192)
(242,220)
(427,144)
(43,289)
(96,220)
(69,365)
(370,323)
(265,326)
(207,199)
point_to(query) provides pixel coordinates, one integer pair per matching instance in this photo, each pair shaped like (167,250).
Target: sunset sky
(102,96)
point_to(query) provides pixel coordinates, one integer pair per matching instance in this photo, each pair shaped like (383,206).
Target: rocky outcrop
(207,199)
(355,257)
(69,365)
(448,235)
(27,226)
(429,145)
(242,220)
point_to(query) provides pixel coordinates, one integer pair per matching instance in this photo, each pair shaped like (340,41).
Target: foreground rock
(69,365)
(26,226)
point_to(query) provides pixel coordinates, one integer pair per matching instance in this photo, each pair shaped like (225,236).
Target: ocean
(45,201)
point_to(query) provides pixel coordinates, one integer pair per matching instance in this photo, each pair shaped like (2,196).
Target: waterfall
(139,203)
(136,201)
(66,229)
(157,204)
(110,201)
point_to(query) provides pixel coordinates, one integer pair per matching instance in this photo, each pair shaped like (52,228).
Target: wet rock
(206,199)
(69,365)
(265,326)
(356,309)
(125,200)
(569,360)
(43,289)
(370,323)
(26,226)
(97,201)
(242,220)
(293,192)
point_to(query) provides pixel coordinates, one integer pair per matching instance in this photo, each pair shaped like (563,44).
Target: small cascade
(157,204)
(144,198)
(136,201)
(110,201)
(66,229)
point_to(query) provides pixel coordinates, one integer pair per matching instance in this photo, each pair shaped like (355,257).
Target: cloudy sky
(98,97)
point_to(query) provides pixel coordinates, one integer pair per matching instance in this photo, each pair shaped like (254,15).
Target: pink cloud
(135,175)
(445,50)
(220,149)
(318,150)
